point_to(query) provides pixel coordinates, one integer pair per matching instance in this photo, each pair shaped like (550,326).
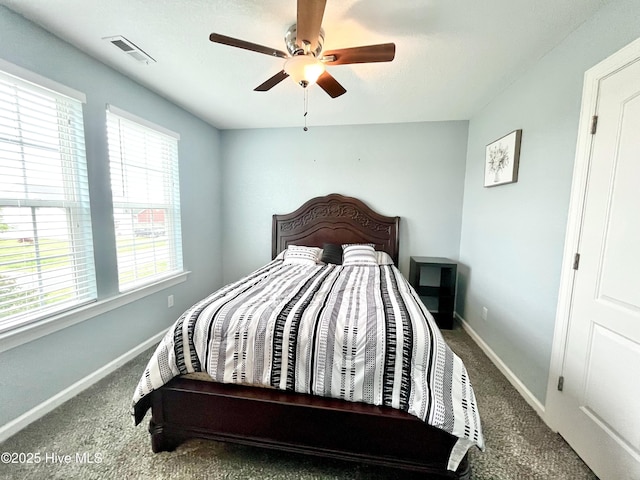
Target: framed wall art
(501,160)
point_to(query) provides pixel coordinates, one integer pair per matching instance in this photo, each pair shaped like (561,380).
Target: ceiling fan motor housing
(294,49)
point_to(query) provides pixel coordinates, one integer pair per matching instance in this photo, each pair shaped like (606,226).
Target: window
(46,249)
(143,161)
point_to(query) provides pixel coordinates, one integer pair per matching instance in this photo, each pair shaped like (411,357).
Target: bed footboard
(298,423)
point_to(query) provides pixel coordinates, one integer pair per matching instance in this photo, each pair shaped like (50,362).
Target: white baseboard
(50,404)
(506,371)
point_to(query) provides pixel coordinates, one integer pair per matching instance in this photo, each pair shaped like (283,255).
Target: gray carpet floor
(96,427)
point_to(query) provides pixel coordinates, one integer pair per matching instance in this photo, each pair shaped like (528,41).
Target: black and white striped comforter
(358,333)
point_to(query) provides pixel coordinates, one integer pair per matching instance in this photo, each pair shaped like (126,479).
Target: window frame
(173,227)
(73,196)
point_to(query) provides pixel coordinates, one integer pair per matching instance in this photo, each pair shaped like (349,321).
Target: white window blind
(46,249)
(143,163)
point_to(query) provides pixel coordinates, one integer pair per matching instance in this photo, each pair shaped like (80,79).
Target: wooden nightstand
(434,278)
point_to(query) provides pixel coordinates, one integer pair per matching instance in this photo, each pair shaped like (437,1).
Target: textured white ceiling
(452,56)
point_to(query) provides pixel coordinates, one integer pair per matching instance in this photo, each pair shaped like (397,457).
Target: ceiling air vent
(130,48)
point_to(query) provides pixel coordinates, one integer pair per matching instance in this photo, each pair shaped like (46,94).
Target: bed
(396,423)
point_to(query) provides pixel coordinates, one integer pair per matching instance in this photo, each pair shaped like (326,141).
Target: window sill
(27,333)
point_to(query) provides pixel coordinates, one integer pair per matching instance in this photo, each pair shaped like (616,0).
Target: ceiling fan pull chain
(306,107)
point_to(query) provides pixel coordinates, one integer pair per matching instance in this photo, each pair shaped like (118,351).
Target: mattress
(354,332)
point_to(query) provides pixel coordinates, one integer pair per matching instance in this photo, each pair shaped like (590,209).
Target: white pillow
(359,255)
(300,255)
(383,258)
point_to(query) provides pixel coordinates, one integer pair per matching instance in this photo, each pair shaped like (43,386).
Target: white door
(598,408)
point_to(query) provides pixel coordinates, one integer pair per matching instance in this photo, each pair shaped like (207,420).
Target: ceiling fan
(305,60)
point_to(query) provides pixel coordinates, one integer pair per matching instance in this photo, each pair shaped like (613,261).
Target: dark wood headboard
(335,219)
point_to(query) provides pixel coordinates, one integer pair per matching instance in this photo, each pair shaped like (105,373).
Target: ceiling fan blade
(272,82)
(309,21)
(254,47)
(384,52)
(330,85)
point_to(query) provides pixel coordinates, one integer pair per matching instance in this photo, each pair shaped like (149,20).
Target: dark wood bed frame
(186,408)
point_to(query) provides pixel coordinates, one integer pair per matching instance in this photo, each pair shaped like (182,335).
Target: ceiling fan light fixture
(304,69)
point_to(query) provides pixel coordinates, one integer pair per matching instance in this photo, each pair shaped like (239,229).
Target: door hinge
(576,261)
(560,383)
(594,124)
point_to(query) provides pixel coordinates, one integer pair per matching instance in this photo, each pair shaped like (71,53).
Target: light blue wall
(513,235)
(413,170)
(31,373)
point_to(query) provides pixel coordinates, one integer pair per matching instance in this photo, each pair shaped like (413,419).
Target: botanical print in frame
(501,160)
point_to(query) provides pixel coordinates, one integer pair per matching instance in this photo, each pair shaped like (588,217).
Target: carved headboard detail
(338,219)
